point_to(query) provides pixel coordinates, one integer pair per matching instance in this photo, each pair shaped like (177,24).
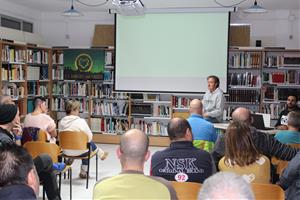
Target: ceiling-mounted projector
(129,7)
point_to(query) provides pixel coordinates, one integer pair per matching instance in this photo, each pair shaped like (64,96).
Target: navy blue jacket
(13,192)
(182,158)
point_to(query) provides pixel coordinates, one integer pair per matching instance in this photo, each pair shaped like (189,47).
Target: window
(10,23)
(28,27)
(14,23)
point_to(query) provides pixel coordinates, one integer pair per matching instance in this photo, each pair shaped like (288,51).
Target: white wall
(279,28)
(72,31)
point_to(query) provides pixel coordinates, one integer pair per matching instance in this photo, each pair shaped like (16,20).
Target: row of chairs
(190,190)
(71,140)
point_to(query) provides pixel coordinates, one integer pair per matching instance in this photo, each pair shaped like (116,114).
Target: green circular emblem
(84,62)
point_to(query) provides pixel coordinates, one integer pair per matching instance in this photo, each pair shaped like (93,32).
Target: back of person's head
(225,185)
(177,128)
(134,146)
(241,114)
(239,146)
(8,113)
(38,101)
(17,167)
(71,105)
(294,119)
(216,79)
(196,107)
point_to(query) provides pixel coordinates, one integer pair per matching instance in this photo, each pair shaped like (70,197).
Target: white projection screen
(172,52)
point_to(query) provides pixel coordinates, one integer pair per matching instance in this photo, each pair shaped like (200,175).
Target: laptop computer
(258,122)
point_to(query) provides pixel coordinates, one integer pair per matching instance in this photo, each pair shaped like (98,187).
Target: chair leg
(96,167)
(88,174)
(70,174)
(44,193)
(59,184)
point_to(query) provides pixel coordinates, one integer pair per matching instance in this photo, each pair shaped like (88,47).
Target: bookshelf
(280,77)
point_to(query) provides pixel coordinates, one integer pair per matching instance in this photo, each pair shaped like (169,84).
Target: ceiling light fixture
(129,7)
(255,9)
(72,12)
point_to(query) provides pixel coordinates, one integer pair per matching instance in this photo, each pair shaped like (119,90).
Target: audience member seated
(225,185)
(242,157)
(290,179)
(39,119)
(9,117)
(72,122)
(131,183)
(182,161)
(292,135)
(204,133)
(266,144)
(18,177)
(291,105)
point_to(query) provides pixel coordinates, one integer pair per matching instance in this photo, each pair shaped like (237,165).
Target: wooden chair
(33,134)
(186,190)
(282,164)
(267,191)
(73,140)
(36,148)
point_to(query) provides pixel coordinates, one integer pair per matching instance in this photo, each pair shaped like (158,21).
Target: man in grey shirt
(213,100)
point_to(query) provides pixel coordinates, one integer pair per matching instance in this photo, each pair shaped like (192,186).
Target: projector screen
(172,52)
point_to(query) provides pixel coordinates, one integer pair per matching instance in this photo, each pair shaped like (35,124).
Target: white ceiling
(61,5)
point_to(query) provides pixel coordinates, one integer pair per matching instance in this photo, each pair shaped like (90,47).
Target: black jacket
(265,143)
(14,192)
(285,112)
(182,158)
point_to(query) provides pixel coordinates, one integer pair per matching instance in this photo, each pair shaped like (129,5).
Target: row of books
(14,90)
(37,56)
(70,89)
(274,61)
(13,55)
(181,102)
(244,79)
(246,96)
(288,77)
(102,90)
(162,111)
(119,108)
(229,109)
(109,125)
(35,89)
(245,60)
(273,109)
(151,128)
(58,104)
(58,73)
(58,58)
(37,73)
(13,73)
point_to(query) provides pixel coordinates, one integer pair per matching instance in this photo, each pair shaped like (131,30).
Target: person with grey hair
(292,135)
(225,185)
(131,183)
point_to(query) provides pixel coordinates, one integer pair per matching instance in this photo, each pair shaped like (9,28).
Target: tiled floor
(109,167)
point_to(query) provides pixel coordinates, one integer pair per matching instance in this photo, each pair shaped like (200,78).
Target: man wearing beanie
(9,118)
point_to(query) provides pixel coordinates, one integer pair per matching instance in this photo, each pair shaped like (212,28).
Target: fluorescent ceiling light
(72,12)
(255,9)
(129,7)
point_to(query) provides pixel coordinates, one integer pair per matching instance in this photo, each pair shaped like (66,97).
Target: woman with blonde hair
(72,122)
(242,157)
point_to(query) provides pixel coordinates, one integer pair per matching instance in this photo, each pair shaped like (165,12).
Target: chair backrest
(33,134)
(186,190)
(36,148)
(73,140)
(267,191)
(258,172)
